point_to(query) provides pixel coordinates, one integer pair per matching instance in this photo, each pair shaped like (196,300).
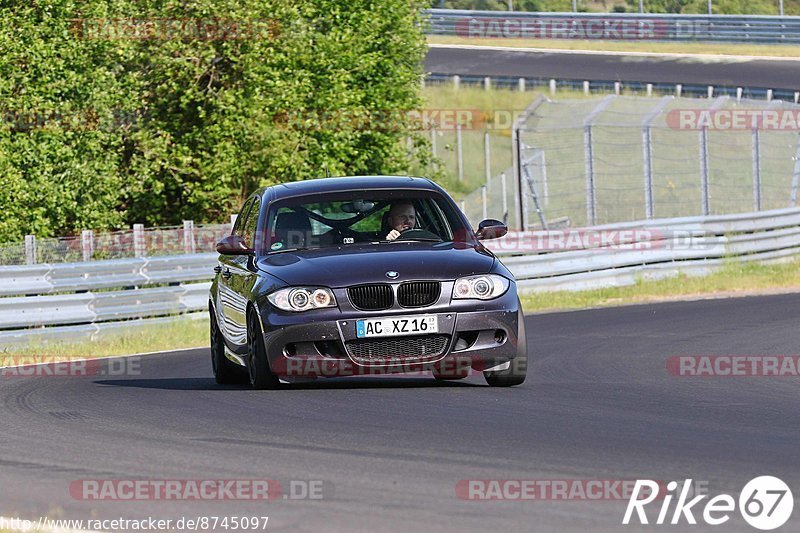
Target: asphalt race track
(600,405)
(733,71)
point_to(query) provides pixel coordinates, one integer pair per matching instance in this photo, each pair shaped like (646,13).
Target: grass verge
(731,49)
(180,334)
(734,279)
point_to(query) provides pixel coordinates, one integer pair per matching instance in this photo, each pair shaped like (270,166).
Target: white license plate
(399,325)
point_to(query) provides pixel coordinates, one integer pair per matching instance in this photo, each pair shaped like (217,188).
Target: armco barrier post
(188,237)
(521,85)
(30,249)
(87,244)
(138,240)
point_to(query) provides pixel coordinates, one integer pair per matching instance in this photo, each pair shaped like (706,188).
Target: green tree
(184,124)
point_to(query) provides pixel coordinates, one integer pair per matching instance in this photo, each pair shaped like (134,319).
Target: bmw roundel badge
(392,274)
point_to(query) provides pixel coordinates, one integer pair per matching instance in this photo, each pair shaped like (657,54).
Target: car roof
(348,183)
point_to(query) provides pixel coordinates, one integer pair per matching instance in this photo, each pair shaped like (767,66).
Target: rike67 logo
(765,503)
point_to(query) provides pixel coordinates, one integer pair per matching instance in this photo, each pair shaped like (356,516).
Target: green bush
(101,130)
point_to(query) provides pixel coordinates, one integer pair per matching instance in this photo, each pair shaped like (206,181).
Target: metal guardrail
(69,301)
(572,259)
(30,280)
(620,254)
(615,26)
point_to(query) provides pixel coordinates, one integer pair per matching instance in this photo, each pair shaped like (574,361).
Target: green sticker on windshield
(276,246)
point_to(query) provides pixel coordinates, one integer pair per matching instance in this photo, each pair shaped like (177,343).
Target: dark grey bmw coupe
(361,276)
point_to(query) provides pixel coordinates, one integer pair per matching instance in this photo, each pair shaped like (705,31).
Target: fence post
(678,90)
(521,85)
(87,244)
(460,154)
(483,202)
(647,152)
(586,88)
(456,81)
(188,237)
(739,92)
(588,155)
(487,83)
(505,197)
(138,240)
(433,139)
(487,155)
(553,87)
(516,159)
(795,176)
(704,182)
(649,89)
(617,88)
(769,95)
(756,170)
(30,249)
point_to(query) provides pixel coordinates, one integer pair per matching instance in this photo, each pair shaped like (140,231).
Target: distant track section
(710,70)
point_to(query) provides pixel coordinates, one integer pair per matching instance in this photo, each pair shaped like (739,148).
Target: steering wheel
(417,233)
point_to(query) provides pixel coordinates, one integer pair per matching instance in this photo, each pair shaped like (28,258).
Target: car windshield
(342,219)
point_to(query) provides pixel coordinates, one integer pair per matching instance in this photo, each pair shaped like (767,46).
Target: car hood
(368,263)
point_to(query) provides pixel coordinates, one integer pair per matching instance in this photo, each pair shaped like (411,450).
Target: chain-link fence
(135,242)
(617,159)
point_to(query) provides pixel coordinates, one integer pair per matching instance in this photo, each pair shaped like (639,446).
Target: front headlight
(483,287)
(299,299)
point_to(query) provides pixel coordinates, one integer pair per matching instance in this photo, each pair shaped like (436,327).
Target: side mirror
(491,229)
(233,245)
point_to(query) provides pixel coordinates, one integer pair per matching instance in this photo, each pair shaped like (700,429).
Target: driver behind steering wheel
(401,217)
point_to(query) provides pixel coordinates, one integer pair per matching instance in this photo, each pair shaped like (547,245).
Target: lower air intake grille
(371,297)
(397,349)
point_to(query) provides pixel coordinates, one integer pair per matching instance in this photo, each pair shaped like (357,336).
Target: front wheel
(518,368)
(261,376)
(225,372)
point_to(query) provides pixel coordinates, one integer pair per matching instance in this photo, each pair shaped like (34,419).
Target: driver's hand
(392,235)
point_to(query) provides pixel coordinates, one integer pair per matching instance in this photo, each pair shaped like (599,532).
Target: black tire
(261,376)
(225,371)
(518,369)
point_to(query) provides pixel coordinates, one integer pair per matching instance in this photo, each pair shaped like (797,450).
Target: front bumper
(473,336)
